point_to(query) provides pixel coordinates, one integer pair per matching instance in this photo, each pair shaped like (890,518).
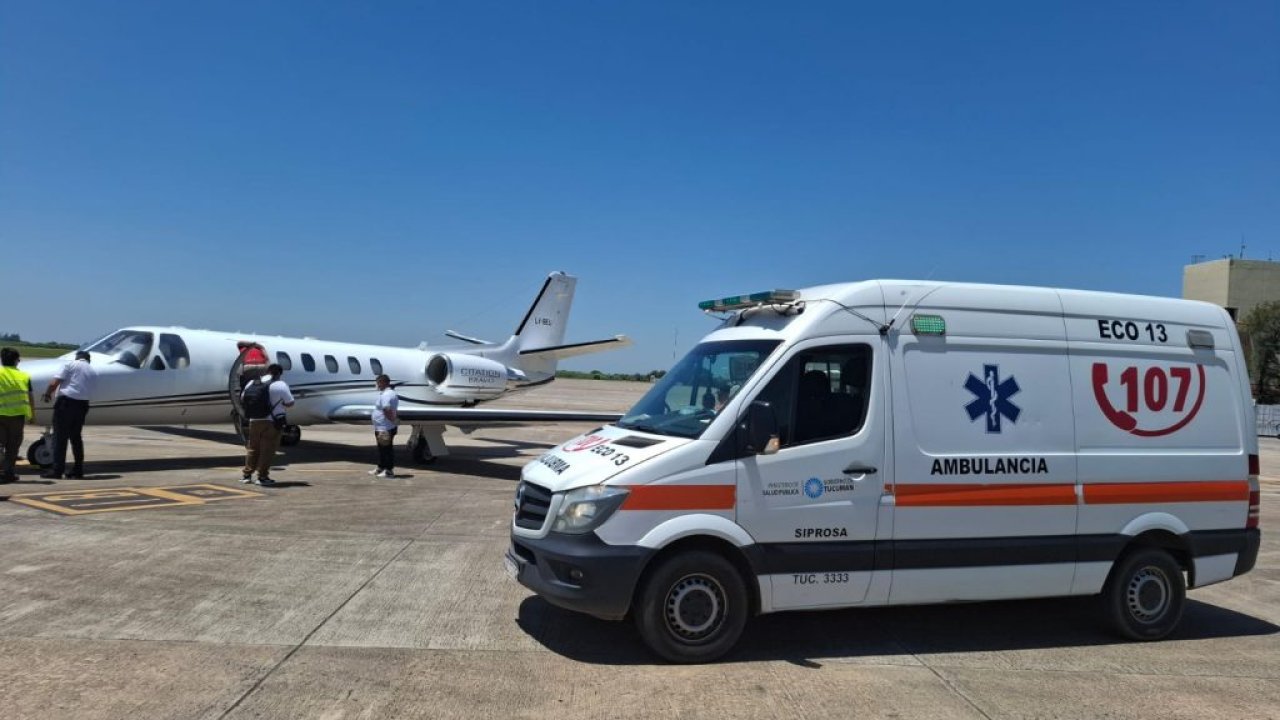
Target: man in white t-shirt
(385,423)
(265,423)
(72,386)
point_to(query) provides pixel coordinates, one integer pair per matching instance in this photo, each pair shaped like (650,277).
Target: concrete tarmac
(338,595)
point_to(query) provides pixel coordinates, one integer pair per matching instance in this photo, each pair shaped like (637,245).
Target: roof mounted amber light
(1200,339)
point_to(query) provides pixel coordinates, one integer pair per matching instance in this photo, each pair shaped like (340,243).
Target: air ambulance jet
(177,376)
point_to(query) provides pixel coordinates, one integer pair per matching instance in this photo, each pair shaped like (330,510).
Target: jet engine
(469,377)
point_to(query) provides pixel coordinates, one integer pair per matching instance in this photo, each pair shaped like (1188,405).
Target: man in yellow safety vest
(17,406)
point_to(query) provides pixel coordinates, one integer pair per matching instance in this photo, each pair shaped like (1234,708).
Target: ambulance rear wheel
(40,453)
(1145,594)
(291,435)
(692,607)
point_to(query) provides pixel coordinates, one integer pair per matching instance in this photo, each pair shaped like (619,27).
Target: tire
(418,450)
(40,453)
(692,607)
(291,435)
(1145,594)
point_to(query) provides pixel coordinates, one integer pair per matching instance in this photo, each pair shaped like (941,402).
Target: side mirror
(760,429)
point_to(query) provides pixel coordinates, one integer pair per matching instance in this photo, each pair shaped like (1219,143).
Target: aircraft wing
(455,415)
(560,352)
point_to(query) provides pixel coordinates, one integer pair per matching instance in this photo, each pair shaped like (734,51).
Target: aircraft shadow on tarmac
(805,638)
(465,460)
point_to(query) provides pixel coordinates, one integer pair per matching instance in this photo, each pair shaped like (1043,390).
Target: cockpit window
(127,347)
(685,401)
(174,351)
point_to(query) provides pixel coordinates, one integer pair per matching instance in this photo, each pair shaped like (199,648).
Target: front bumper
(579,572)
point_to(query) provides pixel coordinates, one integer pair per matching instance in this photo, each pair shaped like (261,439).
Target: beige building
(1237,285)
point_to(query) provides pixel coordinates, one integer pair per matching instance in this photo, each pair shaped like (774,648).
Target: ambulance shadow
(810,638)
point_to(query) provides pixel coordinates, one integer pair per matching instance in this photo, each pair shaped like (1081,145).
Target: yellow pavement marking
(100,500)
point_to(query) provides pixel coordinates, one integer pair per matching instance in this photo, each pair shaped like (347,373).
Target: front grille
(532,504)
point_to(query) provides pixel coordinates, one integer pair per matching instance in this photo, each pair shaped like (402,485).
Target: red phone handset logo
(1154,386)
(586,442)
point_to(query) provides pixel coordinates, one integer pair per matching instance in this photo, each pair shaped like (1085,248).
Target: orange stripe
(978,494)
(1166,492)
(680,497)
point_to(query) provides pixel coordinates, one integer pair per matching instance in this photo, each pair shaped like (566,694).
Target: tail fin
(544,325)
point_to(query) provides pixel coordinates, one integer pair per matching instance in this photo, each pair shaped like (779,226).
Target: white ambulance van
(896,443)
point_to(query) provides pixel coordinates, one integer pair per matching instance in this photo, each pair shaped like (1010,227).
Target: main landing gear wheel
(40,453)
(692,608)
(1145,594)
(421,455)
(291,435)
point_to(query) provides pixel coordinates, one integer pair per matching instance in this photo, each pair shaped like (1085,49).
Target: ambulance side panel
(1163,432)
(984,441)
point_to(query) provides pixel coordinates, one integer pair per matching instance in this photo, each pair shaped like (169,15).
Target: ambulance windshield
(685,401)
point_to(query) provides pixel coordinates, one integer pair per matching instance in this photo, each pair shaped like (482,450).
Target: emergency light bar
(737,302)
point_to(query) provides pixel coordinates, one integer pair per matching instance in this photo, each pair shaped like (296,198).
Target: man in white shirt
(385,423)
(265,423)
(73,385)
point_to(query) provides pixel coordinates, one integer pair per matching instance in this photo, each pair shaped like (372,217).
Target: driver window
(821,394)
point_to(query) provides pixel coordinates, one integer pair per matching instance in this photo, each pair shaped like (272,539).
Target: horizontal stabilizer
(466,338)
(456,415)
(560,352)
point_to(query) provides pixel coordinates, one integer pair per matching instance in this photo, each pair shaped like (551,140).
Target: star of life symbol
(992,397)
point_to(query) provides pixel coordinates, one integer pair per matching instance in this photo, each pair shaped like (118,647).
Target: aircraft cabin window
(174,351)
(284,361)
(157,363)
(375,366)
(331,363)
(308,362)
(354,365)
(127,347)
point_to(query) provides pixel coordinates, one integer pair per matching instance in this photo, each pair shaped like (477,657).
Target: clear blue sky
(383,171)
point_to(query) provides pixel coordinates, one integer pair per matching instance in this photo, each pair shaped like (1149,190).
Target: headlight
(584,509)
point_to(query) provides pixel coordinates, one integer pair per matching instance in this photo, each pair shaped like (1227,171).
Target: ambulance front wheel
(692,607)
(1145,594)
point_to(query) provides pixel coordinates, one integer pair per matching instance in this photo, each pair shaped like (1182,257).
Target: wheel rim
(695,607)
(1148,594)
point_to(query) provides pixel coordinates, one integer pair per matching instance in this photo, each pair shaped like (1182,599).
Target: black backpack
(257,400)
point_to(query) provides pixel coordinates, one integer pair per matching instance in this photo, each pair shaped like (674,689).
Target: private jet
(178,376)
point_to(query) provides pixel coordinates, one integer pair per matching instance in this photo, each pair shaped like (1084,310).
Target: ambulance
(895,442)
